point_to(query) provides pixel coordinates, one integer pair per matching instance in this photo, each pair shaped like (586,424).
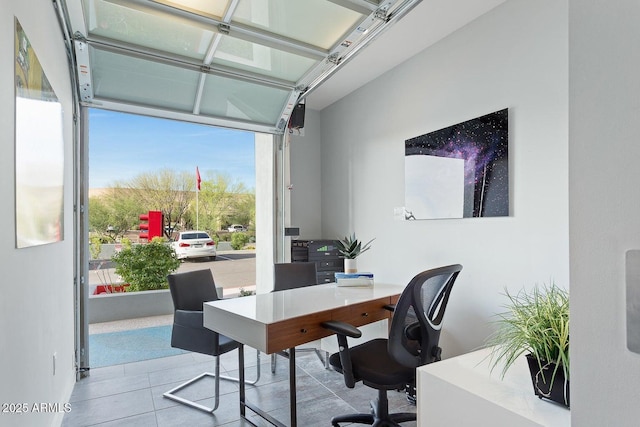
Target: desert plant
(95,246)
(146,266)
(238,240)
(536,322)
(126,243)
(351,248)
(245,293)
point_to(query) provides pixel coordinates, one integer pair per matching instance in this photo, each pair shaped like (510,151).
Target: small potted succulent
(351,248)
(537,325)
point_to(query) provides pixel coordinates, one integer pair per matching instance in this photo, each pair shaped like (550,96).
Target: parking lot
(231,269)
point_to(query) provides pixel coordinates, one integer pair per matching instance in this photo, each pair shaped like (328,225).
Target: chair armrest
(413,331)
(342,328)
(390,307)
(190,319)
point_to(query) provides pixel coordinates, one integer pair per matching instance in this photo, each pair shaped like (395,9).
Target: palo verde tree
(112,214)
(245,210)
(165,190)
(223,201)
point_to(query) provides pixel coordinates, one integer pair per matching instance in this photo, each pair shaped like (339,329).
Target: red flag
(198,180)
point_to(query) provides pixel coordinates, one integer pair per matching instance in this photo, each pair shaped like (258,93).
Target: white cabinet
(462,391)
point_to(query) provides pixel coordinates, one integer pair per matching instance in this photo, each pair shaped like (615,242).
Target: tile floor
(131,394)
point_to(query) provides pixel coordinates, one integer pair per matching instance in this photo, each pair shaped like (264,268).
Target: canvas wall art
(460,171)
(632,270)
(39,150)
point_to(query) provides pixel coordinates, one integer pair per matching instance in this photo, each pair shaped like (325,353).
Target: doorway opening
(201,178)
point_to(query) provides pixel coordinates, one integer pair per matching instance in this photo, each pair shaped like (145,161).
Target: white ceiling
(429,22)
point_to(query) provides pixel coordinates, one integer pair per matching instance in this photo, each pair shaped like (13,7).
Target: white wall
(604,148)
(515,56)
(306,178)
(36,290)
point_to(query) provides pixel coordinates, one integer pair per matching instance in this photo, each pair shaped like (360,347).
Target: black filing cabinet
(323,252)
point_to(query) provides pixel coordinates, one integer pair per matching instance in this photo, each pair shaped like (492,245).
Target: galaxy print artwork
(461,171)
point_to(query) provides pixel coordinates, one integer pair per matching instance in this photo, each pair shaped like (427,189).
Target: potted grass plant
(536,324)
(351,248)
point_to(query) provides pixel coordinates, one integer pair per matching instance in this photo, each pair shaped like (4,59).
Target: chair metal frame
(171,393)
(205,290)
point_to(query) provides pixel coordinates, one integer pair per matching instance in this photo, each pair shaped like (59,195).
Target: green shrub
(215,237)
(238,240)
(145,266)
(126,243)
(95,246)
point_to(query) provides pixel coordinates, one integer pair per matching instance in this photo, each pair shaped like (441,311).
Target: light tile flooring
(131,394)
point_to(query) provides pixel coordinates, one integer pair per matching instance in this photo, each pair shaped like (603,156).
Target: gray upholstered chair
(189,291)
(390,364)
(297,275)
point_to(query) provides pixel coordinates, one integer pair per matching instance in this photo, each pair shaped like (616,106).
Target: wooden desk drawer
(394,299)
(362,314)
(296,331)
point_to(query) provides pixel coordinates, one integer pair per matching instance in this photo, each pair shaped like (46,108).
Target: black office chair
(294,275)
(290,276)
(189,292)
(390,364)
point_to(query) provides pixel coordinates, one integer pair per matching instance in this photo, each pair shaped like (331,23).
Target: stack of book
(354,279)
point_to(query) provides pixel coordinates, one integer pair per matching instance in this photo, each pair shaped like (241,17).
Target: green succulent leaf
(350,247)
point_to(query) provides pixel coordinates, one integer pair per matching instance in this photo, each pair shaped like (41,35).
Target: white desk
(462,391)
(281,320)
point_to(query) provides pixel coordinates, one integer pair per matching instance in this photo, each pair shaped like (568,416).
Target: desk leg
(244,404)
(292,386)
(241,379)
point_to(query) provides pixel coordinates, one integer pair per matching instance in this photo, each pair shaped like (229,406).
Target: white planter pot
(350,265)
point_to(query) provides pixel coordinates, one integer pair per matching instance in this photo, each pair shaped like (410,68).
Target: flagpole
(197,193)
(197,211)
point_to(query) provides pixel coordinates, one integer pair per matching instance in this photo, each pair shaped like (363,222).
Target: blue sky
(122,146)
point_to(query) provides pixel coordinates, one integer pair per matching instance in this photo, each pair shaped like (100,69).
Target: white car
(236,227)
(194,244)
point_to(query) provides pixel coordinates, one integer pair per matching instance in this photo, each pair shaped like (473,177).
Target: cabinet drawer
(299,253)
(297,257)
(330,264)
(296,331)
(319,256)
(364,313)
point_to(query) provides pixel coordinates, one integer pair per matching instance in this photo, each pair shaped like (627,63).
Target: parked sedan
(194,244)
(236,227)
